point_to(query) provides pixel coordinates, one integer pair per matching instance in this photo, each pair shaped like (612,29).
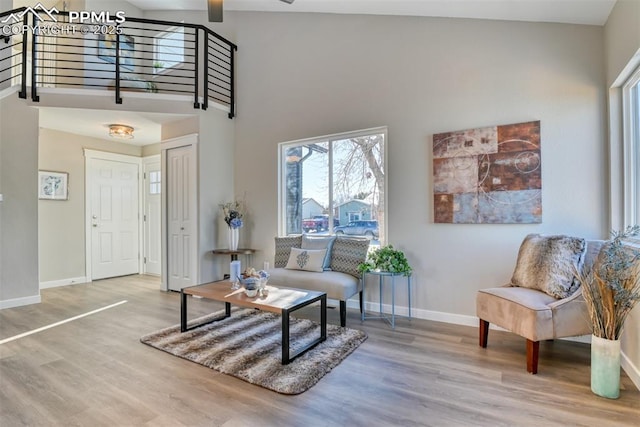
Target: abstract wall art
(488,175)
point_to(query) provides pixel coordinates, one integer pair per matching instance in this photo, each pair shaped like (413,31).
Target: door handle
(182,228)
(95,225)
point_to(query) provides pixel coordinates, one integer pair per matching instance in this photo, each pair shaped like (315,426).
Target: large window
(631,118)
(345,175)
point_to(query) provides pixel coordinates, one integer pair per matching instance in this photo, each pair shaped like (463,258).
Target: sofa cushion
(306,259)
(548,263)
(347,254)
(283,249)
(338,286)
(320,242)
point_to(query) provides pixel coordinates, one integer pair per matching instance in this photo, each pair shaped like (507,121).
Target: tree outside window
(344,173)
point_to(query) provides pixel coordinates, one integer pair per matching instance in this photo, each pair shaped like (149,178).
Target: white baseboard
(63,282)
(632,371)
(436,316)
(460,319)
(18,302)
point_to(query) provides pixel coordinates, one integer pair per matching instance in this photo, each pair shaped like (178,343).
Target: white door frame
(182,141)
(154,158)
(103,155)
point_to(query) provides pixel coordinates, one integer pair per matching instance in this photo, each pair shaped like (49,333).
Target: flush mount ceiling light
(120,131)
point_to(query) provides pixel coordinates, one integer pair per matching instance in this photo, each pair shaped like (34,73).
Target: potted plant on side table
(611,288)
(387,259)
(386,262)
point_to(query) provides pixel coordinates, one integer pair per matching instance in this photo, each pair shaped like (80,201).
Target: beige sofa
(340,278)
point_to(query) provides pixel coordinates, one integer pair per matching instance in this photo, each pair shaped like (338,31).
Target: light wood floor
(94,371)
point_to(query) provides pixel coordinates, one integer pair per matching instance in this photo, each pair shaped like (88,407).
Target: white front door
(181,217)
(114,218)
(152,218)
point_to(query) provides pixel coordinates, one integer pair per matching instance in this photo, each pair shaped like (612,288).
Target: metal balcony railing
(137,55)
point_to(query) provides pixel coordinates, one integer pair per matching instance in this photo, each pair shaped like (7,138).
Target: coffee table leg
(287,357)
(323,318)
(183,312)
(285,337)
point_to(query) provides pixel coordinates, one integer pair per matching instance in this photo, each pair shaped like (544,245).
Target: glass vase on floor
(605,367)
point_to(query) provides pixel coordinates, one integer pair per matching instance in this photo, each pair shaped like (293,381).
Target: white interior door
(114,218)
(181,218)
(152,216)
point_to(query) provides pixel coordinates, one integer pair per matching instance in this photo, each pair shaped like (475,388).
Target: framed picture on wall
(107,49)
(53,185)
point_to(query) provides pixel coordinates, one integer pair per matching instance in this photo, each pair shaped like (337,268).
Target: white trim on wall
(9,91)
(19,302)
(632,371)
(63,282)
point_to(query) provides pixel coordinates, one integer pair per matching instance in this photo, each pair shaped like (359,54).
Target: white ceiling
(592,12)
(95,123)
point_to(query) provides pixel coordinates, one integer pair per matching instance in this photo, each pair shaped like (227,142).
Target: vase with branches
(233,213)
(611,289)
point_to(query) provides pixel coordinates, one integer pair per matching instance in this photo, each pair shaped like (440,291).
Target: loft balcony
(42,53)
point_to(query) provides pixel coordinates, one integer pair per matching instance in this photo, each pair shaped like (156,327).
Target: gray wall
(216,172)
(622,37)
(322,74)
(18,184)
(63,222)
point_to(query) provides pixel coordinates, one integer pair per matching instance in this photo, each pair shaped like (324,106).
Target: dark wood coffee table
(282,301)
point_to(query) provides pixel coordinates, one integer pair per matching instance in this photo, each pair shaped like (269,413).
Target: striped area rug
(247,345)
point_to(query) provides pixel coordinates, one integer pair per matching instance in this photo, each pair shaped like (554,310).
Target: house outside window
(168,50)
(343,170)
(631,123)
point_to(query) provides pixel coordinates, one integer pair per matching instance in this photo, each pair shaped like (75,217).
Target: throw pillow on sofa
(548,263)
(320,242)
(283,249)
(306,259)
(347,254)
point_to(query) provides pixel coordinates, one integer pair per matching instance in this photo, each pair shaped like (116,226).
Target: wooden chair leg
(532,356)
(484,333)
(343,313)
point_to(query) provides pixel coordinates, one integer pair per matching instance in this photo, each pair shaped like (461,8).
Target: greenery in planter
(386,258)
(612,287)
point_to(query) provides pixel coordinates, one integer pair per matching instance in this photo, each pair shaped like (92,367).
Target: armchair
(550,311)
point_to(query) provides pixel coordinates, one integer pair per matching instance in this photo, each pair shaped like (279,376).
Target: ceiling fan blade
(215,10)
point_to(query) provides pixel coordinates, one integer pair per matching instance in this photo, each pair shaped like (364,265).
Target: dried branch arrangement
(611,288)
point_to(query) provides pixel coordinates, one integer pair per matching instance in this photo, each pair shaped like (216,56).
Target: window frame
(282,226)
(631,149)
